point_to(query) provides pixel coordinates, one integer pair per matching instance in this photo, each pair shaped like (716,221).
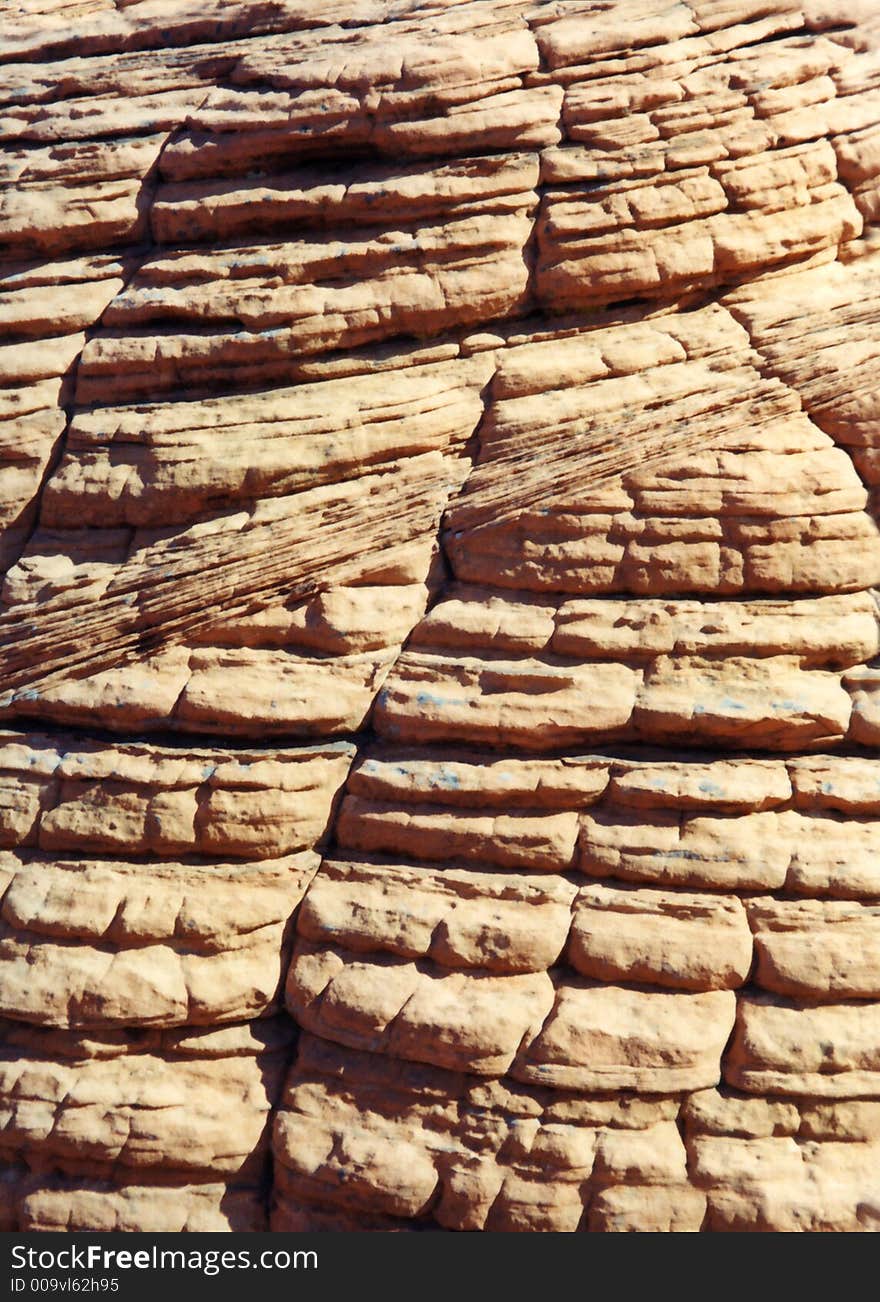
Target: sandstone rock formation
(439,668)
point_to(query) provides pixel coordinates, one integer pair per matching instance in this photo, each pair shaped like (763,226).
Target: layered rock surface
(439,662)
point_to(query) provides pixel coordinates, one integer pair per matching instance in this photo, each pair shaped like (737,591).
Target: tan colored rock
(65,1204)
(167,462)
(213,209)
(504,703)
(545,841)
(751,853)
(290,304)
(843,340)
(77,197)
(63,795)
(829,1051)
(686,941)
(809,854)
(96,944)
(848,785)
(158,583)
(604,1037)
(688,692)
(458,390)
(854,1119)
(711,1112)
(864,687)
(430,101)
(843,628)
(825,950)
(768,703)
(190,1105)
(835,857)
(506,923)
(674,234)
(624,1209)
(478,781)
(783,1185)
(734,786)
(399,1140)
(460,1020)
(577,551)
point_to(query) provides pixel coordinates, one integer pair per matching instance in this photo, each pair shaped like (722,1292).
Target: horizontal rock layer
(439,666)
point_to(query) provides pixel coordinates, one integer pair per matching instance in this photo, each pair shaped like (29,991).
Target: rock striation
(439,654)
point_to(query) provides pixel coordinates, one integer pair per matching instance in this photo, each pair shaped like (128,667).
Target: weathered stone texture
(439,659)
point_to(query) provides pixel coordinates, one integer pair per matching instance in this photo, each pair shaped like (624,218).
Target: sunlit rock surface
(439,665)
